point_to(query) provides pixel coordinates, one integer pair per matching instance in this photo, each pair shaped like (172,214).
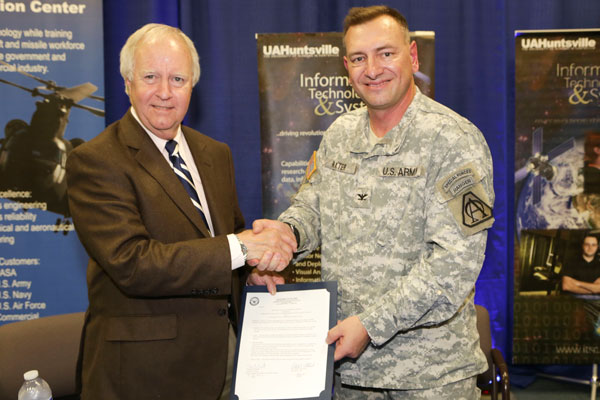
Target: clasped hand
(271,245)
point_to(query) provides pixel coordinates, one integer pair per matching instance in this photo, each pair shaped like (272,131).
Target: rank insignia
(361,197)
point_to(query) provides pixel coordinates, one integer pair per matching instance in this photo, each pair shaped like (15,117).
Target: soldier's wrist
(296,233)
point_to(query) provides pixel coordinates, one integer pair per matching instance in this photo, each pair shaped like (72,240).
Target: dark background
(474,70)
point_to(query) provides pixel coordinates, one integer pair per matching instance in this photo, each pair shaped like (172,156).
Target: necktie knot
(171,147)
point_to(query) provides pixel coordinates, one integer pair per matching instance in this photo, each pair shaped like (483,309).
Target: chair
(48,344)
(488,381)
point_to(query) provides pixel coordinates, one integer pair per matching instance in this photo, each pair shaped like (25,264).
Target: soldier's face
(162,85)
(381,62)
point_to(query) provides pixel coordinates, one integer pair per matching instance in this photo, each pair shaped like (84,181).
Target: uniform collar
(392,141)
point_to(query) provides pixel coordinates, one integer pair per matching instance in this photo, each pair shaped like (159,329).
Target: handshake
(271,245)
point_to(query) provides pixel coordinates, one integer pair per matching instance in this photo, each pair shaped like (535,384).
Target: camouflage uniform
(402,228)
(465,389)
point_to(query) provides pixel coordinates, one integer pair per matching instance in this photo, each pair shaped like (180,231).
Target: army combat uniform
(402,228)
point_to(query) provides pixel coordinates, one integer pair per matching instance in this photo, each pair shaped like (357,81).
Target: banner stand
(556,119)
(593,381)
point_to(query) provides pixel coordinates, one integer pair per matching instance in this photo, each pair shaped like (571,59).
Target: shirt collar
(159,142)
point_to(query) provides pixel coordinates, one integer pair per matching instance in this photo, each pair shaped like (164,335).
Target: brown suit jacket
(158,284)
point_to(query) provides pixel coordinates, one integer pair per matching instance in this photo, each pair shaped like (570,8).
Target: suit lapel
(150,158)
(206,169)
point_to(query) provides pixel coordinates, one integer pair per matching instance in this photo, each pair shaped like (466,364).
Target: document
(281,351)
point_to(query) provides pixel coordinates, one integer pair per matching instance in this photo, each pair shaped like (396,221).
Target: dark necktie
(184,175)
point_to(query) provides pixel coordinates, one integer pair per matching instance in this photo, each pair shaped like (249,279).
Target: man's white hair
(147,33)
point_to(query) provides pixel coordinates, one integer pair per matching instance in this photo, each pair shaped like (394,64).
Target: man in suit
(163,276)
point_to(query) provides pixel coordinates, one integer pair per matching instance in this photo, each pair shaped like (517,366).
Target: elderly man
(400,202)
(155,206)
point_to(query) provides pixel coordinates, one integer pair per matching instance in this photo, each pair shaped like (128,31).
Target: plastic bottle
(34,387)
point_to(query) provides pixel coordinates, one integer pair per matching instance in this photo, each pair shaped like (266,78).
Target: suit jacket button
(222,312)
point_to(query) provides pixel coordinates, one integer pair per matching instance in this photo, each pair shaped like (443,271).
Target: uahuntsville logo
(582,43)
(280,51)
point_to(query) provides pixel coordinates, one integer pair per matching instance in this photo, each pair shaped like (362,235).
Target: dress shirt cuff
(235,249)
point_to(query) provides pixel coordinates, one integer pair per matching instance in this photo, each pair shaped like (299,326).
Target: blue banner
(52,88)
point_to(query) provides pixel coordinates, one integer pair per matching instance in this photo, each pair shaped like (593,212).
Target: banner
(557,197)
(303,88)
(52,83)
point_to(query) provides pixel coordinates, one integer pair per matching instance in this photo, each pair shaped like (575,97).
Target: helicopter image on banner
(33,156)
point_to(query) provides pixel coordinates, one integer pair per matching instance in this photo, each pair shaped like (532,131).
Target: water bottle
(34,387)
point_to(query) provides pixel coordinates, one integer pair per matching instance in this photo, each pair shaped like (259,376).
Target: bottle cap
(31,375)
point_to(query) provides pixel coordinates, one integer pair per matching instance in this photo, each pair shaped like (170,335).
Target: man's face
(381,63)
(590,246)
(162,85)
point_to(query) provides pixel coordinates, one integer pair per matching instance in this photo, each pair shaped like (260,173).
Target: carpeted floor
(551,389)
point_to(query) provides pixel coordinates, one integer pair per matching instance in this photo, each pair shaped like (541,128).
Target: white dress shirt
(235,249)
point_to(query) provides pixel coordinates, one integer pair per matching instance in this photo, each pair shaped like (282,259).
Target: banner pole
(594,381)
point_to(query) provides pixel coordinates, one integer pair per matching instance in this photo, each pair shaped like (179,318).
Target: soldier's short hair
(360,15)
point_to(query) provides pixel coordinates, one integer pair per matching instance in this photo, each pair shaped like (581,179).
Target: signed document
(281,351)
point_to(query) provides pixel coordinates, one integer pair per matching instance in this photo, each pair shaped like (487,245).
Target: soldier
(400,200)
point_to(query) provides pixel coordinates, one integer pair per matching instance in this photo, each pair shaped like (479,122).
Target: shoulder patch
(458,181)
(468,202)
(472,210)
(311,167)
(475,210)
